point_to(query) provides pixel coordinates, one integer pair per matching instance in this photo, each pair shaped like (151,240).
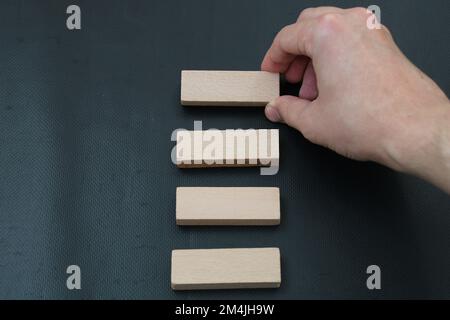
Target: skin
(360,96)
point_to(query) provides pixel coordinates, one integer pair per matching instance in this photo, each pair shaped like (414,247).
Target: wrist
(422,146)
(442,168)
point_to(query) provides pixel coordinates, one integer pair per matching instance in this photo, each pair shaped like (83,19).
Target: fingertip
(287,109)
(272,113)
(270,66)
(265,65)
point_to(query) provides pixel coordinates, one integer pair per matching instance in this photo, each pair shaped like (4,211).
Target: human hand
(360,96)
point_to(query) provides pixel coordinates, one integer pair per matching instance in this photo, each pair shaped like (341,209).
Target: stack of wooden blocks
(237,206)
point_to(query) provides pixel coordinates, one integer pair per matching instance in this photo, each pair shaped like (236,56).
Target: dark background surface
(85,171)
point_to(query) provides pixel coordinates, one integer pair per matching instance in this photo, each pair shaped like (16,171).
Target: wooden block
(228,88)
(226,268)
(222,148)
(274,155)
(227,206)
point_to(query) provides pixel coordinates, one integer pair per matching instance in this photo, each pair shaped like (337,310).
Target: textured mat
(86,178)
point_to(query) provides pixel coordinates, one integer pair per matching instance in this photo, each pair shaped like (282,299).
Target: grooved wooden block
(228,88)
(222,148)
(226,268)
(227,206)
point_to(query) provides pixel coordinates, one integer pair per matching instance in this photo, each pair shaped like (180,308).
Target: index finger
(293,40)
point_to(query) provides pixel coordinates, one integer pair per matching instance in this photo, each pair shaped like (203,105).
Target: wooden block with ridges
(226,268)
(228,206)
(222,148)
(228,88)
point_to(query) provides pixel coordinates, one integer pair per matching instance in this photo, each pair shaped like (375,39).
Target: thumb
(288,109)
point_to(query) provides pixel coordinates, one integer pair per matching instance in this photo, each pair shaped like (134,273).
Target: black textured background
(85,172)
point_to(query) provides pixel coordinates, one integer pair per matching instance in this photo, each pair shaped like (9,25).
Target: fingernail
(272,113)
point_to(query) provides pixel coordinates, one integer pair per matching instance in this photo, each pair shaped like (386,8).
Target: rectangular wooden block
(222,148)
(226,268)
(228,206)
(228,88)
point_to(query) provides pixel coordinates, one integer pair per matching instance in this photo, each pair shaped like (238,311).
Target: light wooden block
(222,148)
(226,268)
(228,88)
(227,206)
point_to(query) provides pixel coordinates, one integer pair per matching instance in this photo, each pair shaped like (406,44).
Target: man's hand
(360,96)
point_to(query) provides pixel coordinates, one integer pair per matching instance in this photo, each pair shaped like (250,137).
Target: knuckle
(289,114)
(282,35)
(359,11)
(285,30)
(329,23)
(305,13)
(328,20)
(302,122)
(286,114)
